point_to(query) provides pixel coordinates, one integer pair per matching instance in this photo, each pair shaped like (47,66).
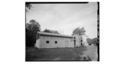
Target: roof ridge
(54,34)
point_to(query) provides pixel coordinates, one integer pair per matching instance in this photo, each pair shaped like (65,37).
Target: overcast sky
(66,17)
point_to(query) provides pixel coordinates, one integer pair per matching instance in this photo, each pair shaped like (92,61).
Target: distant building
(84,40)
(77,40)
(52,40)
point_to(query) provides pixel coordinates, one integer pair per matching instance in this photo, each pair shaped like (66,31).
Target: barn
(52,40)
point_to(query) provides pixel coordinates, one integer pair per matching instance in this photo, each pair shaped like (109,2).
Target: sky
(65,17)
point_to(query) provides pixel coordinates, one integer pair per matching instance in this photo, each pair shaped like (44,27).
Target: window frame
(56,42)
(47,42)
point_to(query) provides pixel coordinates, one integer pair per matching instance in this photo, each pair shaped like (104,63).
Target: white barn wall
(71,44)
(60,42)
(37,44)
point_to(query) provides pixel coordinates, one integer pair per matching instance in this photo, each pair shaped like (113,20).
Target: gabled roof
(53,34)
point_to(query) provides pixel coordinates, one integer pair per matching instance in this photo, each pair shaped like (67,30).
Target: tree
(93,41)
(55,32)
(32,29)
(79,31)
(51,31)
(89,41)
(47,30)
(28,6)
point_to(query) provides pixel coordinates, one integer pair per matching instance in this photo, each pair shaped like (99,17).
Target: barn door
(66,44)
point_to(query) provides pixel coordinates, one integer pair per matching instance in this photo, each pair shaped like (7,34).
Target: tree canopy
(28,6)
(79,31)
(32,29)
(93,41)
(51,31)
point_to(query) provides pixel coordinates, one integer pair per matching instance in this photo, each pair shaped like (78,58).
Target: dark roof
(53,34)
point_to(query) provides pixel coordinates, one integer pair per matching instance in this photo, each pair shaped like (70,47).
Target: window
(55,42)
(47,42)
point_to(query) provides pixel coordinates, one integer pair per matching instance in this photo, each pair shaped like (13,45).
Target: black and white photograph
(62,31)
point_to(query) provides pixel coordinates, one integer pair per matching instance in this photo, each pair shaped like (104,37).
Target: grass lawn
(34,54)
